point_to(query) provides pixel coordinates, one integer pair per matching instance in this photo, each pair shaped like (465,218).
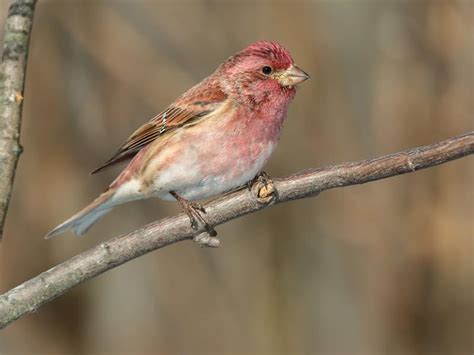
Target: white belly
(191,183)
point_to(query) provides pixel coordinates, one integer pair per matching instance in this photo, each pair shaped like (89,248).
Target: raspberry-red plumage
(215,137)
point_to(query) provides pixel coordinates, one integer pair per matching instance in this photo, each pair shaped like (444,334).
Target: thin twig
(12,81)
(29,296)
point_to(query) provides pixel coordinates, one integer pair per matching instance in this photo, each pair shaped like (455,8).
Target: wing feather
(194,105)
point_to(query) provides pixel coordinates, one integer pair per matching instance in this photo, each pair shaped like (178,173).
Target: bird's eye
(267,70)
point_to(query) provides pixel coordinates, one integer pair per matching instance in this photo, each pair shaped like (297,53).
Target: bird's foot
(263,187)
(194,212)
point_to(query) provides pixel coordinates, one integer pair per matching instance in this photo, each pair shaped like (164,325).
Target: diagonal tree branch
(12,81)
(32,294)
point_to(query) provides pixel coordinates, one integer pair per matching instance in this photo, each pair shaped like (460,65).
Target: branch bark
(32,294)
(12,82)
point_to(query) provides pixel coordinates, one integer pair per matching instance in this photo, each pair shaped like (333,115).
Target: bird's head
(264,66)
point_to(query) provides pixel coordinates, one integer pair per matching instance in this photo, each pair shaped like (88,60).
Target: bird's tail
(85,218)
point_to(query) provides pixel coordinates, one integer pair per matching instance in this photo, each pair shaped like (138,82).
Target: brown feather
(189,107)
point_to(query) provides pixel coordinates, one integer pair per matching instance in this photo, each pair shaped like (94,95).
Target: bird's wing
(195,104)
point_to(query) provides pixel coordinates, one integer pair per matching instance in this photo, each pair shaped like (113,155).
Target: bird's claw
(198,206)
(208,238)
(193,210)
(262,178)
(263,187)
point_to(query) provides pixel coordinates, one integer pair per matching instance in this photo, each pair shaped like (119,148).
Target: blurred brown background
(384,268)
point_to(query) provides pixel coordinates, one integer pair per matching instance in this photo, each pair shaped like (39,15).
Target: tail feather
(85,218)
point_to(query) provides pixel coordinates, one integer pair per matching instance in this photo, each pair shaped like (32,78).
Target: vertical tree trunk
(12,82)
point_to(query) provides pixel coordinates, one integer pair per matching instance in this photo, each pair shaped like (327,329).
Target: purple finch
(215,137)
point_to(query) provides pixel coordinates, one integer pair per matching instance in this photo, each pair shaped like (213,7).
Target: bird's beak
(293,76)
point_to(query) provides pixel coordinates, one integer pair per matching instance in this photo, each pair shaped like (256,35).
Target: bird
(214,138)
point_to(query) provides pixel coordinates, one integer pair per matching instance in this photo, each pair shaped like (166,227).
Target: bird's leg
(193,210)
